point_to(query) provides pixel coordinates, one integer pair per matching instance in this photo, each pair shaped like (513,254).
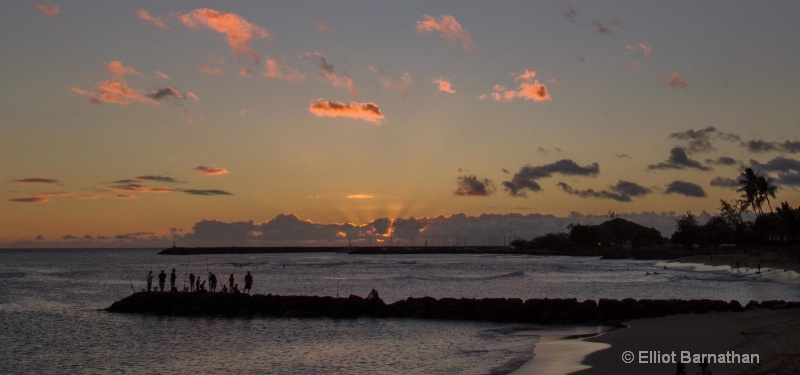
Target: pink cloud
(282,72)
(633,47)
(401,86)
(676,82)
(363,111)
(209,70)
(159,21)
(328,73)
(210,171)
(449,29)
(119,70)
(444,85)
(323,28)
(88,94)
(48,10)
(162,75)
(239,32)
(528,88)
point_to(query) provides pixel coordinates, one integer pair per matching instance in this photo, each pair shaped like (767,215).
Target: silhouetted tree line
(781,225)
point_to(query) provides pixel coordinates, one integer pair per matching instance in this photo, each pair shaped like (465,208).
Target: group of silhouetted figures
(197,284)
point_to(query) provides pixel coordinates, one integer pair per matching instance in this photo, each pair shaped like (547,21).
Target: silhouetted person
(172,278)
(203,286)
(212,281)
(235,288)
(197,286)
(162,279)
(191,282)
(149,280)
(230,281)
(224,289)
(248,282)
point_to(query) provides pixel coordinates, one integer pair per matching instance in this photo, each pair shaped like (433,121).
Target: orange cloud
(401,87)
(449,29)
(360,196)
(209,70)
(159,21)
(676,82)
(362,111)
(239,32)
(88,94)
(48,10)
(528,88)
(444,85)
(118,70)
(162,75)
(117,92)
(210,171)
(283,72)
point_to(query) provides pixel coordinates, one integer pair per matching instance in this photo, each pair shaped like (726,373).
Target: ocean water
(51,318)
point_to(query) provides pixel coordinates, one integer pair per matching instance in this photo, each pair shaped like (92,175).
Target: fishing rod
(129,278)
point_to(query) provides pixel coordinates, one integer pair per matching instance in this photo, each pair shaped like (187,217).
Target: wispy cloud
(210,70)
(528,88)
(526,178)
(282,72)
(209,192)
(444,85)
(448,28)
(160,179)
(159,21)
(48,10)
(323,27)
(725,182)
(676,81)
(119,70)
(238,31)
(360,196)
(363,111)
(645,48)
(472,186)
(701,140)
(610,27)
(328,73)
(760,145)
(160,93)
(210,171)
(679,160)
(402,86)
(685,188)
(29,200)
(37,180)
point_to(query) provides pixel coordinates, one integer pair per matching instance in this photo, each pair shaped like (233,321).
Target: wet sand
(773,335)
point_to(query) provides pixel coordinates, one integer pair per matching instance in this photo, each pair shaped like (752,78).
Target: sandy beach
(771,335)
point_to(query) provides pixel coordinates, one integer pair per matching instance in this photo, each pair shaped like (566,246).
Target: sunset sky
(322,122)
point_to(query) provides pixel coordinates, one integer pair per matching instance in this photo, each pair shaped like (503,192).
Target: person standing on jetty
(191,282)
(172,278)
(162,279)
(149,280)
(248,282)
(230,281)
(212,281)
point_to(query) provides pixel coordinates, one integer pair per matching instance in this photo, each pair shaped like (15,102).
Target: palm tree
(748,186)
(766,189)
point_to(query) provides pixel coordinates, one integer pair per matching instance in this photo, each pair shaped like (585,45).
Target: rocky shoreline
(509,310)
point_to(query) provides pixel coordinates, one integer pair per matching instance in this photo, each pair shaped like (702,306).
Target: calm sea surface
(51,323)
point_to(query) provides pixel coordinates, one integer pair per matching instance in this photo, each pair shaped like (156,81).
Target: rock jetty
(539,311)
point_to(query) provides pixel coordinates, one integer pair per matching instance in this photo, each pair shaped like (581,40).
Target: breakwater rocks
(539,311)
